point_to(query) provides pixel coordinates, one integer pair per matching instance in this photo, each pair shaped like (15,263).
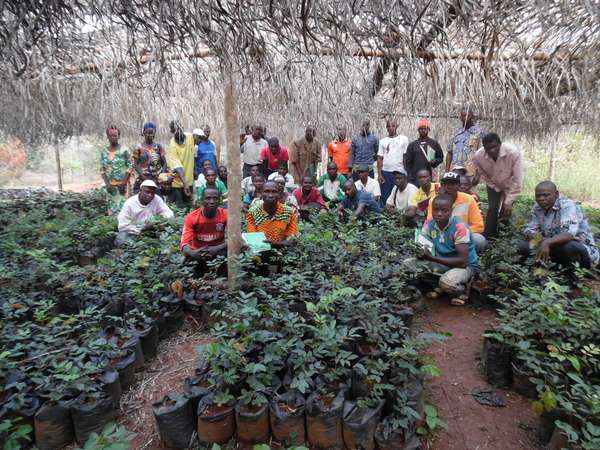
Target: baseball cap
(401,172)
(451,177)
(198,132)
(148,183)
(362,168)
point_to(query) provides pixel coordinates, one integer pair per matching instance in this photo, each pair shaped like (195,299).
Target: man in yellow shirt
(464,207)
(180,156)
(419,202)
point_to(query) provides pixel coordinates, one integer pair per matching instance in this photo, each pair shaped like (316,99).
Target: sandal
(459,301)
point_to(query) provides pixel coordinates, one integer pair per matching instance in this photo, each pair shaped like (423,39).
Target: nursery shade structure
(70,67)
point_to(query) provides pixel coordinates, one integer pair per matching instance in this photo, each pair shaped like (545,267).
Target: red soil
(471,426)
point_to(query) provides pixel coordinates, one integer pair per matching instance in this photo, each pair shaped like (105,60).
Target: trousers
(566,254)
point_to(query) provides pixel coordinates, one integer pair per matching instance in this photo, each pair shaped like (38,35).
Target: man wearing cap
(499,165)
(272,156)
(366,183)
(399,199)
(464,207)
(423,153)
(138,210)
(148,157)
(203,235)
(206,150)
(251,149)
(464,143)
(390,158)
(363,150)
(180,156)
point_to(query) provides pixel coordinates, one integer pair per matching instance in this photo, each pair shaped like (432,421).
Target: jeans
(386,188)
(566,254)
(491,219)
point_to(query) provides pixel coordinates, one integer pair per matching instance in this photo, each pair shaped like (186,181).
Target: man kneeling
(138,210)
(566,237)
(453,253)
(203,235)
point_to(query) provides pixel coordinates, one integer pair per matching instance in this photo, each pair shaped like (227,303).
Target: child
(466,186)
(282,170)
(455,256)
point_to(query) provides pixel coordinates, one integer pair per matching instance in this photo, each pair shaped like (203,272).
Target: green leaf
(430,411)
(431,370)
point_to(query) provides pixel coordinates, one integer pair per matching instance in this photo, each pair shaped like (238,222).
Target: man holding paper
(203,236)
(452,249)
(277,221)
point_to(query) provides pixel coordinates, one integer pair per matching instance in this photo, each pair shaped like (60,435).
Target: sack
(324,421)
(287,418)
(174,420)
(90,414)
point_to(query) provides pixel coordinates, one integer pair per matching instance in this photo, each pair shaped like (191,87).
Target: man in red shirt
(272,156)
(308,197)
(203,235)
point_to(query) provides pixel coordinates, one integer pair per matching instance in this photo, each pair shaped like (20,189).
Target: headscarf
(423,123)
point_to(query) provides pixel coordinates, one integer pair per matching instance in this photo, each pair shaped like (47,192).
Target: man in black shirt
(424,153)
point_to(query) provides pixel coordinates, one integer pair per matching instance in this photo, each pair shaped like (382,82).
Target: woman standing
(115,169)
(148,158)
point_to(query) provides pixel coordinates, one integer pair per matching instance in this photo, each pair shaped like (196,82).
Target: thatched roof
(72,66)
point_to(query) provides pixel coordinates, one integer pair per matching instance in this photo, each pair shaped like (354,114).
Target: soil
(471,425)
(213,410)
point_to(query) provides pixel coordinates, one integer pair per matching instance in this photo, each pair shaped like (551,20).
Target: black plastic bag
(359,425)
(174,420)
(216,423)
(112,385)
(148,334)
(195,388)
(287,418)
(90,414)
(495,361)
(252,424)
(133,342)
(174,320)
(324,421)
(124,362)
(53,426)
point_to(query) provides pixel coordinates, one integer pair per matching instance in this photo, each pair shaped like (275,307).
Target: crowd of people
(365,176)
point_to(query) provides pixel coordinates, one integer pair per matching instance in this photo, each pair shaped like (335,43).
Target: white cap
(198,132)
(149,183)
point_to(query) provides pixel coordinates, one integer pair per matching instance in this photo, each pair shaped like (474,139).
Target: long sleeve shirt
(134,216)
(422,154)
(363,150)
(503,175)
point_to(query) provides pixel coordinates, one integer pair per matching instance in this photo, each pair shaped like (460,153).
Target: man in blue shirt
(361,203)
(363,150)
(560,230)
(206,150)
(452,252)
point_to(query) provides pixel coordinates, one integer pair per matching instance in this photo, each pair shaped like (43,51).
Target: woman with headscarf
(115,169)
(148,157)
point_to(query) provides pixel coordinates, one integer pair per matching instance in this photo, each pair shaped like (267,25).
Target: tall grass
(576,166)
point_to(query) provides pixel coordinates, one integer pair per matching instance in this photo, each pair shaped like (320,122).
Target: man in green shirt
(210,176)
(330,184)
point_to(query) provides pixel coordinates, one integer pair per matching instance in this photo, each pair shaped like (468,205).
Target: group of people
(365,176)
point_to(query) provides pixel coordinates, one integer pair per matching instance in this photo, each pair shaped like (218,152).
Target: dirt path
(174,362)
(471,426)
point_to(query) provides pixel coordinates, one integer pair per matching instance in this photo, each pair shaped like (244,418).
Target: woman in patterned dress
(115,168)
(148,158)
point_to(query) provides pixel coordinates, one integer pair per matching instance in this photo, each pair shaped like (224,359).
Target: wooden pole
(58,165)
(234,181)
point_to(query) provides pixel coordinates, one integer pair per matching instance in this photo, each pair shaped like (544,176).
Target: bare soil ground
(471,426)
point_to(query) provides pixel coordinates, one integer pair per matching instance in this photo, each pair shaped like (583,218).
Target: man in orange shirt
(338,151)
(278,221)
(464,207)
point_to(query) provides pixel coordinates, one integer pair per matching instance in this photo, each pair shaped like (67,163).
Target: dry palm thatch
(71,66)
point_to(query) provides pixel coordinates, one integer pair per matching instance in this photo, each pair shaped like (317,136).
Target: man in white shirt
(251,149)
(399,199)
(247,186)
(282,171)
(390,158)
(138,210)
(366,183)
